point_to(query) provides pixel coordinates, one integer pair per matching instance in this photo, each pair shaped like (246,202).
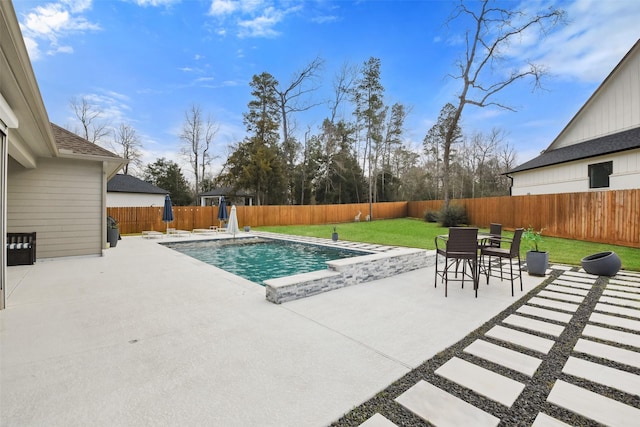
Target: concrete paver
(624,288)
(443,409)
(573,284)
(378,420)
(592,405)
(605,375)
(566,306)
(544,313)
(606,351)
(608,334)
(561,296)
(620,301)
(534,325)
(610,320)
(579,276)
(544,420)
(487,383)
(614,309)
(567,289)
(523,339)
(621,294)
(508,358)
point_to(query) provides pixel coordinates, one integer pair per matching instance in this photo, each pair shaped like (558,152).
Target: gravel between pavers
(533,398)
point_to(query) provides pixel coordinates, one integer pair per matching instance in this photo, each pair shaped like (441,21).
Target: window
(599,174)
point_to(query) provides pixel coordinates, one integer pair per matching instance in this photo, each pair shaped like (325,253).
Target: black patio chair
(460,247)
(495,234)
(488,253)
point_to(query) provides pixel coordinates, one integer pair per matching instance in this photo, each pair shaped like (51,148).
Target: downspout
(510,185)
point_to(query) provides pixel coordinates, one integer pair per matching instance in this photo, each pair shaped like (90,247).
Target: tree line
(360,153)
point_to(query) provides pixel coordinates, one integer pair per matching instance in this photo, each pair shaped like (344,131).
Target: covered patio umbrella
(167,212)
(233,222)
(223,215)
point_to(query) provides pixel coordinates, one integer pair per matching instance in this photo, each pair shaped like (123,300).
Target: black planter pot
(112,236)
(602,264)
(537,263)
(334,237)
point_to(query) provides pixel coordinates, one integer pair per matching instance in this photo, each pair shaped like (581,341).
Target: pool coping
(379,262)
(382,262)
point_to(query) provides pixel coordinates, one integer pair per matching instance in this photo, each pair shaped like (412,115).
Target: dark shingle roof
(130,184)
(621,141)
(66,140)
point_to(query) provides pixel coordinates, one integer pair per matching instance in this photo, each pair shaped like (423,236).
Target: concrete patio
(147,336)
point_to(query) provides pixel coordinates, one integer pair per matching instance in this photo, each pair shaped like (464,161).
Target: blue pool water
(260,259)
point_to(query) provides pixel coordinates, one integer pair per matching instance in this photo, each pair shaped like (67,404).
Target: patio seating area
(147,335)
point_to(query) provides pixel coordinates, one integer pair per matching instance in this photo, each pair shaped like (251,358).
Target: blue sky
(145,62)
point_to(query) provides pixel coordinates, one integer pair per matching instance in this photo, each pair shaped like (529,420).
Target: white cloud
(155,3)
(223,7)
(77,6)
(250,6)
(597,36)
(261,26)
(45,26)
(325,19)
(114,106)
(252,18)
(32,48)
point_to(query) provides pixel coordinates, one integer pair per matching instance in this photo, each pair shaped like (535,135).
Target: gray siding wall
(62,201)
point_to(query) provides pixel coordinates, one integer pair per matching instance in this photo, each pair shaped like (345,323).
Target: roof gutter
(111,165)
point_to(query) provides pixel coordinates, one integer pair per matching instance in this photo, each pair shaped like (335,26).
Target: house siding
(62,201)
(613,108)
(118,200)
(573,177)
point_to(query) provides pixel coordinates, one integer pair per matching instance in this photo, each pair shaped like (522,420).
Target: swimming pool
(259,259)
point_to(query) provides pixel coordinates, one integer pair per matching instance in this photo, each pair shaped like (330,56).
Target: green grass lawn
(416,233)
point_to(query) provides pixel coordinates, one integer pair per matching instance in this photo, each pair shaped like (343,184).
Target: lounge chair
(148,234)
(203,230)
(173,231)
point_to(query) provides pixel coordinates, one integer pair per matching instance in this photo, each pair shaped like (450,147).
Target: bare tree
(94,129)
(343,82)
(197,136)
(291,100)
(127,144)
(494,28)
(507,160)
(482,153)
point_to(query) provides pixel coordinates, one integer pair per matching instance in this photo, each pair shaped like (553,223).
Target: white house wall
(117,199)
(613,108)
(573,177)
(61,200)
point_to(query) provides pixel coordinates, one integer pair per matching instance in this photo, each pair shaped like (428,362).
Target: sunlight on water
(260,259)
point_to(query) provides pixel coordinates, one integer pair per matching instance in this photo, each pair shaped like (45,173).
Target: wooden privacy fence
(137,219)
(601,216)
(605,216)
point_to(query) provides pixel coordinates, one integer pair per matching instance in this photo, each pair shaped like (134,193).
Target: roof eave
(575,159)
